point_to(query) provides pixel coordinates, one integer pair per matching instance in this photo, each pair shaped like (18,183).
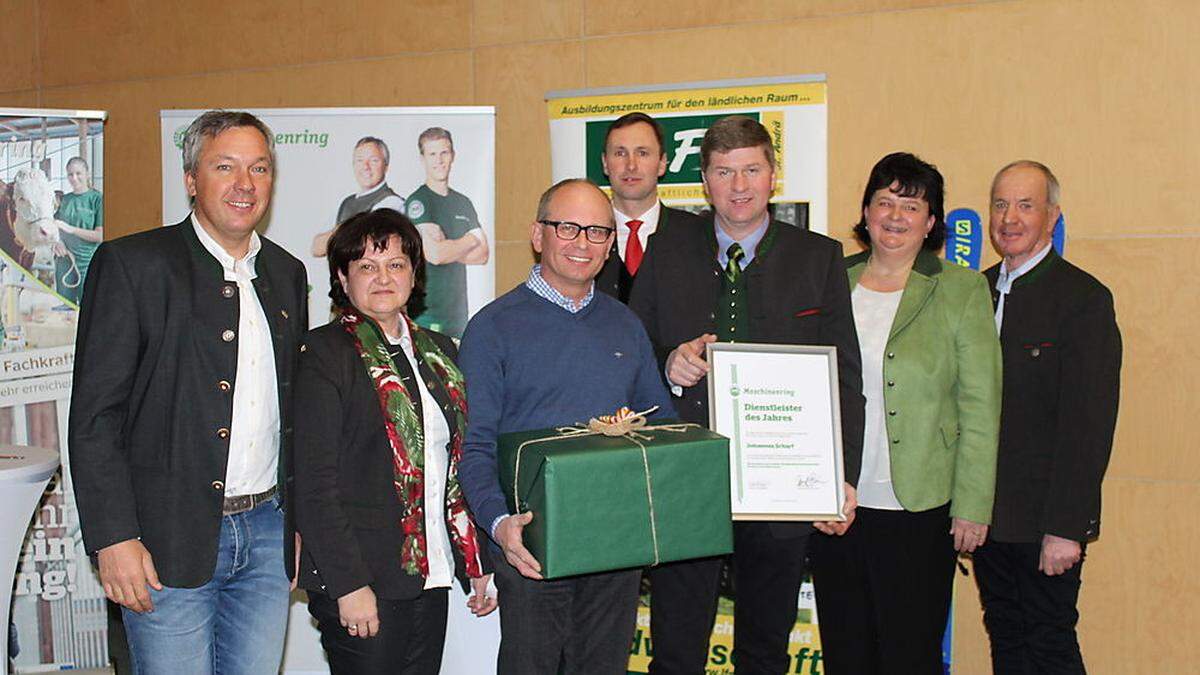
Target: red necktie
(633,248)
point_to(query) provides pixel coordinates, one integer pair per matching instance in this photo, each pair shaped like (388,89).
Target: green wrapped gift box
(592,506)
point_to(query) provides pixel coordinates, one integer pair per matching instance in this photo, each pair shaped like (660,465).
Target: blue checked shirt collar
(538,285)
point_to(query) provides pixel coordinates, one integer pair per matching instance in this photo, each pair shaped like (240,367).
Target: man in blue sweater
(553,352)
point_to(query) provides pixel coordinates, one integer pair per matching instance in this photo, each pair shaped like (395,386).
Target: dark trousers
(410,639)
(580,624)
(767,573)
(1029,616)
(883,592)
(683,606)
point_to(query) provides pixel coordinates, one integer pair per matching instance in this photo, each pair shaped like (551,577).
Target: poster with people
(436,165)
(51,222)
(793,109)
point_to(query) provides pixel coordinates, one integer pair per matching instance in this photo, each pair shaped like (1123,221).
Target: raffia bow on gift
(625,424)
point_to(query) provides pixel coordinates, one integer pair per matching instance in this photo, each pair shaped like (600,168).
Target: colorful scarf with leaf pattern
(407,437)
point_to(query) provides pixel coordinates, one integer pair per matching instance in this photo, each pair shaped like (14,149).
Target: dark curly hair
(913,177)
(349,243)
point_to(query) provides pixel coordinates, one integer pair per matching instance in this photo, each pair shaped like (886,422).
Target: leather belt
(234,505)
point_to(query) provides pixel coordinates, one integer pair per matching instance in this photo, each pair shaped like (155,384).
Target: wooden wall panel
(100,42)
(515,79)
(635,16)
(508,21)
(18,46)
(20,99)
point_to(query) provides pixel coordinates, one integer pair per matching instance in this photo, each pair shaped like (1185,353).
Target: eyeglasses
(568,231)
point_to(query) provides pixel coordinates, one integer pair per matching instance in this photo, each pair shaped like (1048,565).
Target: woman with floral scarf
(380,417)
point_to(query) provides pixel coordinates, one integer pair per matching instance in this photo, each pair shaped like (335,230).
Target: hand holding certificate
(778,405)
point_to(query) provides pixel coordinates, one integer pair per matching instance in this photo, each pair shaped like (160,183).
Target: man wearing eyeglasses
(741,277)
(634,159)
(553,352)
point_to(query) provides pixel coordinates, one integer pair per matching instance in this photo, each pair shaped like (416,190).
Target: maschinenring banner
(793,109)
(51,221)
(435,164)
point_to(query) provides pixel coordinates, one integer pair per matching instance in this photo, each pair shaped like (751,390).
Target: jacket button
(218,486)
(895,441)
(227,291)
(891,355)
(283,312)
(1035,352)
(892,413)
(222,433)
(891,383)
(224,385)
(228,335)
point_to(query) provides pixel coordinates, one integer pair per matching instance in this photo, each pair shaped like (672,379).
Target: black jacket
(798,295)
(1062,371)
(152,397)
(614,279)
(347,509)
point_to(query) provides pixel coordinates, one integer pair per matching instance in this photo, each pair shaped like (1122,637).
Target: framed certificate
(780,408)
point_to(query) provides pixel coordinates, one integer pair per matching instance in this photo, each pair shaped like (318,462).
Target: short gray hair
(378,143)
(1052,189)
(210,124)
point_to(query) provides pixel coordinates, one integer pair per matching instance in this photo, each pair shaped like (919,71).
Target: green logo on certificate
(734,391)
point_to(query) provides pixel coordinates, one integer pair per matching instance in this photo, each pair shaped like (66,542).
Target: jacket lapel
(922,281)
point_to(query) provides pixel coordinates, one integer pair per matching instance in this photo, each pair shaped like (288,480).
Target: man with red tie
(634,158)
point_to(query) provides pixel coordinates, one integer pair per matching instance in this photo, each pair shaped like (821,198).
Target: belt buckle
(242,503)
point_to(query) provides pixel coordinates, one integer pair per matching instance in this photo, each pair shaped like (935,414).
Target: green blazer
(942,378)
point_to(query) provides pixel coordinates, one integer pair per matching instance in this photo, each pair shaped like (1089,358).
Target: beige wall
(1106,92)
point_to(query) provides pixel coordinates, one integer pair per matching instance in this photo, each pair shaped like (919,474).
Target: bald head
(573,189)
(570,264)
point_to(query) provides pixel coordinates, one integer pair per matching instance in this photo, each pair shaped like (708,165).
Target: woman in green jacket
(931,377)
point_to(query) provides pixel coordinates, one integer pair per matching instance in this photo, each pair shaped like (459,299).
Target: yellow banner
(685,100)
(804,646)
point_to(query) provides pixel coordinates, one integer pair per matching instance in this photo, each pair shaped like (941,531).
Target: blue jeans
(233,624)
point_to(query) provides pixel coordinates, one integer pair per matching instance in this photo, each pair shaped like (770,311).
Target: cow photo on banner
(51,222)
(437,166)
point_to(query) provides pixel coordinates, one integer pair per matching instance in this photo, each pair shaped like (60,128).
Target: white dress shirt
(254,429)
(649,225)
(437,437)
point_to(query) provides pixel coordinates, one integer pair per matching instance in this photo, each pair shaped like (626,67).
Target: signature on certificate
(810,482)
